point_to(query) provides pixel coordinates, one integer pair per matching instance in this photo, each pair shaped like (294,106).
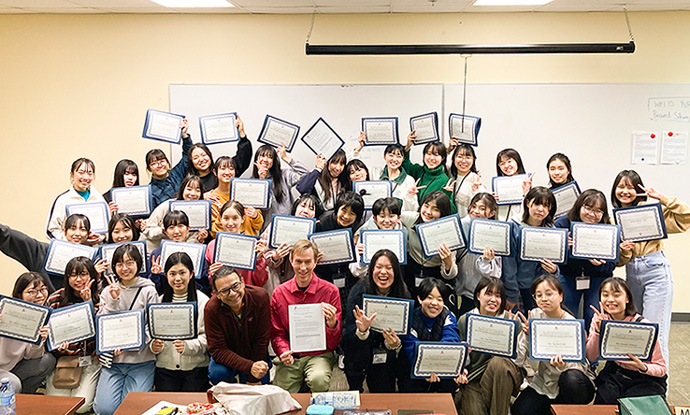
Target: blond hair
(302,245)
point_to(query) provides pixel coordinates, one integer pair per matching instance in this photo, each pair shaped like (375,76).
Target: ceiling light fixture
(179,4)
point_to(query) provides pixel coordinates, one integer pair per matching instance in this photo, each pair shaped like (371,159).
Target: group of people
(243,318)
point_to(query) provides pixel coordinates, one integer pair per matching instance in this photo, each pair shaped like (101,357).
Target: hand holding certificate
(425,128)
(172,321)
(489,233)
(641,223)
(464,128)
(336,246)
(219,128)
(537,243)
(21,320)
(255,193)
(566,196)
(289,229)
(372,190)
(135,201)
(492,335)
(395,313)
(307,328)
(123,331)
(618,339)
(380,131)
(446,360)
(375,240)
(445,230)
(509,189)
(71,324)
(238,251)
(163,126)
(277,132)
(551,337)
(322,139)
(595,241)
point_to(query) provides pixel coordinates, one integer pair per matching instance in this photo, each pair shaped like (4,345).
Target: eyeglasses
(594,211)
(464,157)
(234,288)
(83,274)
(157,163)
(35,292)
(127,264)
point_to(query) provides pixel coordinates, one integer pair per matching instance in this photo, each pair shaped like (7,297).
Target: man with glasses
(237,321)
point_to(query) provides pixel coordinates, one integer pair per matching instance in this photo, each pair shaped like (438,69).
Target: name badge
(582,283)
(339,280)
(418,281)
(380,356)
(84,361)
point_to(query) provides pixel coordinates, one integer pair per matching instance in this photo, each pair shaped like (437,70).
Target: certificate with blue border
(372,190)
(374,240)
(537,243)
(219,128)
(289,229)
(492,335)
(508,189)
(464,128)
(566,196)
(136,201)
(446,360)
(425,127)
(380,131)
(276,132)
(97,212)
(595,241)
(71,324)
(489,233)
(172,321)
(238,251)
(618,338)
(198,212)
(336,246)
(395,313)
(22,320)
(322,139)
(195,251)
(61,252)
(641,223)
(444,230)
(550,337)
(254,193)
(163,126)
(106,252)
(123,330)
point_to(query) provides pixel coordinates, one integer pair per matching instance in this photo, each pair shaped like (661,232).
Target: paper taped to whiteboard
(674,147)
(645,148)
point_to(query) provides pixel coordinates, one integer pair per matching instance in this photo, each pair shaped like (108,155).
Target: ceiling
(330,6)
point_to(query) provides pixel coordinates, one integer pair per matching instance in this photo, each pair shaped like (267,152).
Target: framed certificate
(465,128)
(307,328)
(219,128)
(537,242)
(380,131)
(276,132)
(163,126)
(618,338)
(254,193)
(372,190)
(97,212)
(336,246)
(195,251)
(641,223)
(550,337)
(22,320)
(123,330)
(322,139)
(446,360)
(508,189)
(198,212)
(61,252)
(595,241)
(377,239)
(135,201)
(425,127)
(238,251)
(444,230)
(289,229)
(71,324)
(489,233)
(395,313)
(106,252)
(492,335)
(566,196)
(172,321)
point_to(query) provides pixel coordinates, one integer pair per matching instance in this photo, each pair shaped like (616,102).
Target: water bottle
(7,405)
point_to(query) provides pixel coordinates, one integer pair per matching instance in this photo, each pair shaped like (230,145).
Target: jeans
(220,373)
(572,296)
(119,380)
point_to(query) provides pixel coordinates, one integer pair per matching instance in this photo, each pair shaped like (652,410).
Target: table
(584,409)
(137,402)
(47,405)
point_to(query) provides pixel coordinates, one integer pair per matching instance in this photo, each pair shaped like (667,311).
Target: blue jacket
(162,190)
(575,267)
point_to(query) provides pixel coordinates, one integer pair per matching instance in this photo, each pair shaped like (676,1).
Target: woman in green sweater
(431,175)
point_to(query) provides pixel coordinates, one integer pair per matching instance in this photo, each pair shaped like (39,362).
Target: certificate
(489,233)
(322,139)
(219,128)
(307,328)
(163,126)
(492,335)
(106,252)
(395,313)
(22,320)
(508,189)
(123,330)
(336,246)
(254,193)
(618,338)
(195,251)
(566,196)
(97,212)
(446,360)
(238,251)
(276,132)
(373,190)
(537,242)
(595,241)
(71,324)
(464,128)
(375,240)
(61,252)
(289,229)
(551,337)
(172,321)
(198,212)
(380,131)
(444,230)
(425,127)
(135,201)
(641,223)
